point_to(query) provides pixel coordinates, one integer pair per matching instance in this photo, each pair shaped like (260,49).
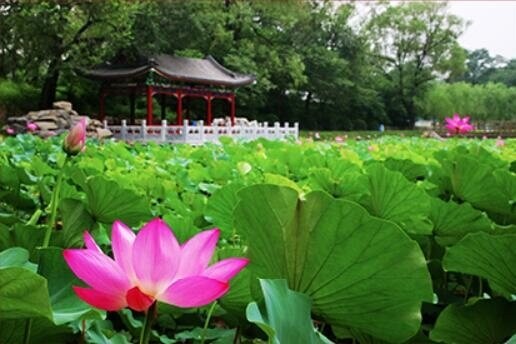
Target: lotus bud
(32,127)
(75,141)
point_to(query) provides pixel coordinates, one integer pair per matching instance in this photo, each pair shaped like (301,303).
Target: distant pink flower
(457,125)
(32,127)
(484,137)
(151,266)
(499,142)
(373,148)
(339,139)
(75,141)
(10,131)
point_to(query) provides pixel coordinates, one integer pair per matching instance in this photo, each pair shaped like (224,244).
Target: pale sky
(493,25)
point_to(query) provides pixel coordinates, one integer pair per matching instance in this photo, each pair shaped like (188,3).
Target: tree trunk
(307,104)
(48,92)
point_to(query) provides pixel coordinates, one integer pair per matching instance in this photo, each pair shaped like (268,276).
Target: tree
(49,38)
(415,43)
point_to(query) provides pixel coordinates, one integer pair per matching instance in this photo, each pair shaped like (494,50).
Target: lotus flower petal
(194,291)
(196,253)
(156,256)
(138,300)
(97,270)
(226,269)
(90,243)
(122,239)
(100,300)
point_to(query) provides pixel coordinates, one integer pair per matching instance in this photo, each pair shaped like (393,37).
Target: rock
(62,105)
(46,126)
(56,121)
(103,133)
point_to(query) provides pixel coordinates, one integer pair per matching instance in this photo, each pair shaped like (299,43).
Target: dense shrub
(17,98)
(359,124)
(482,102)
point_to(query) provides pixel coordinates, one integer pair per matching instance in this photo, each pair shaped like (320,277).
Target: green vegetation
(395,239)
(327,67)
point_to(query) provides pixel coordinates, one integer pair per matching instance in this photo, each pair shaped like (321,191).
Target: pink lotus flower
(339,139)
(10,131)
(75,141)
(151,266)
(499,142)
(457,125)
(32,127)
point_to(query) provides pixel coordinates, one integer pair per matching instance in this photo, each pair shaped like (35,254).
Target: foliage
(415,43)
(416,234)
(482,102)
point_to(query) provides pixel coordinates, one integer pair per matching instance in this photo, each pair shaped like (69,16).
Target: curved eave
(122,73)
(241,81)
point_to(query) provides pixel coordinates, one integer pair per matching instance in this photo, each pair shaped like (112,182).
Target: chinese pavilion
(166,75)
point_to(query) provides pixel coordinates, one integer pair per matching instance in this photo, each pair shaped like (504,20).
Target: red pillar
(149,105)
(102,111)
(208,109)
(179,108)
(233,109)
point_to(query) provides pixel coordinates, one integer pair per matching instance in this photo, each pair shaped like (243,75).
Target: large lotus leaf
(349,184)
(353,266)
(485,321)
(23,294)
(393,197)
(28,237)
(489,256)
(452,221)
(66,306)
(16,256)
(42,331)
(411,170)
(108,201)
(493,191)
(286,318)
(76,220)
(220,207)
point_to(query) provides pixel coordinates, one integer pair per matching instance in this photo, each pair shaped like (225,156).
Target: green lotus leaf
(485,321)
(489,256)
(393,197)
(452,221)
(286,318)
(23,294)
(108,201)
(353,266)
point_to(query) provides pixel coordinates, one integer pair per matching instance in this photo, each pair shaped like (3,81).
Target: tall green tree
(49,38)
(414,43)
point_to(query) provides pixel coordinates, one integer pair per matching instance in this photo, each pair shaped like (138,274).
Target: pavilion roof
(183,69)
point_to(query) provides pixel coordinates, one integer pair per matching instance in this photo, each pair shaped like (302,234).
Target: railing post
(163,131)
(277,133)
(185,130)
(254,134)
(105,124)
(296,127)
(201,130)
(144,130)
(123,130)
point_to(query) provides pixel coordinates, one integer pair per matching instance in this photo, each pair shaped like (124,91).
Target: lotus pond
(395,240)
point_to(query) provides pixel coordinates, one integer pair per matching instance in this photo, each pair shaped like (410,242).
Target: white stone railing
(199,133)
